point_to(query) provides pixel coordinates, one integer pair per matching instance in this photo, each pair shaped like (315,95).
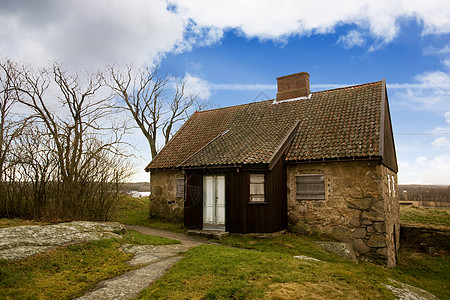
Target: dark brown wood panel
(389,155)
(241,216)
(193,206)
(237,189)
(270,216)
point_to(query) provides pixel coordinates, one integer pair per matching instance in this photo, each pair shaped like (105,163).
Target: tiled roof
(339,123)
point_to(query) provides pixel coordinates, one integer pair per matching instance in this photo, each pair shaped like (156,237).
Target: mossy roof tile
(338,123)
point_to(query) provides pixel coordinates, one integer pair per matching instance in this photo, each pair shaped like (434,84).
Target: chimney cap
(294,75)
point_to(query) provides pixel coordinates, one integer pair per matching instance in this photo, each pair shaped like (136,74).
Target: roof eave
(283,145)
(335,159)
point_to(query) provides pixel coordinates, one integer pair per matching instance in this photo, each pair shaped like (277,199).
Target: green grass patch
(427,272)
(137,238)
(63,273)
(5,222)
(287,243)
(425,216)
(266,268)
(69,271)
(134,211)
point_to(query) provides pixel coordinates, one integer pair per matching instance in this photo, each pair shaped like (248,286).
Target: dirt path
(155,262)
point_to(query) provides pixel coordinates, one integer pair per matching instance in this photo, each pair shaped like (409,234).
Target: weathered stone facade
(164,202)
(359,208)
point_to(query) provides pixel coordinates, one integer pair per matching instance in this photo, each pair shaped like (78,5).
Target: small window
(389,184)
(256,187)
(392,185)
(180,187)
(310,187)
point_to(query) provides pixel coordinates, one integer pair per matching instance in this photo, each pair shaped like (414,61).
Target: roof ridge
(274,99)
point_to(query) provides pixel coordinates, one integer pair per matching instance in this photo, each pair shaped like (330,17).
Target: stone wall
(164,202)
(357,209)
(426,239)
(392,210)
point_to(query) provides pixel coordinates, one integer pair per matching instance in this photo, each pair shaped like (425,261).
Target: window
(310,187)
(180,187)
(393,185)
(389,183)
(256,187)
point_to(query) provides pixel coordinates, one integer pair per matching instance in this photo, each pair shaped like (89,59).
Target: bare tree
(75,119)
(10,124)
(79,120)
(145,96)
(35,171)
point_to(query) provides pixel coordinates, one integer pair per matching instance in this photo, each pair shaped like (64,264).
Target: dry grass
(19,222)
(425,216)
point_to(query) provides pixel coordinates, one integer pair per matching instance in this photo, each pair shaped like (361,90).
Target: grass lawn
(134,211)
(266,268)
(4,222)
(252,267)
(425,216)
(67,272)
(243,267)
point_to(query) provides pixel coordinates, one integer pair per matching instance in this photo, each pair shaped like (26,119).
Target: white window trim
(257,198)
(389,184)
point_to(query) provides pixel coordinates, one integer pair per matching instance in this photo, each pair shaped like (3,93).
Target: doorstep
(212,234)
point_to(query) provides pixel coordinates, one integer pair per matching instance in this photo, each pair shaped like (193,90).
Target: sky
(230,52)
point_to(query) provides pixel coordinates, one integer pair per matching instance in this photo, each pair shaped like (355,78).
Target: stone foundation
(426,239)
(164,202)
(357,209)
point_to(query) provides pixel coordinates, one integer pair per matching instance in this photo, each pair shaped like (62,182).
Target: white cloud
(447,117)
(426,171)
(434,50)
(351,39)
(441,143)
(430,91)
(87,33)
(436,170)
(421,159)
(434,79)
(197,86)
(446,63)
(268,19)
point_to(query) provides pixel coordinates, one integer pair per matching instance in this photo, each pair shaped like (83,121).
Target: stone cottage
(315,163)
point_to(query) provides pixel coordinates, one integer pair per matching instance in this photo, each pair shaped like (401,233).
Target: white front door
(214,202)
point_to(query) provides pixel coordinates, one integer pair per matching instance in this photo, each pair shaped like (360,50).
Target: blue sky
(231,52)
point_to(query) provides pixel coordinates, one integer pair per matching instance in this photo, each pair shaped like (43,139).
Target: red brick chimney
(293,86)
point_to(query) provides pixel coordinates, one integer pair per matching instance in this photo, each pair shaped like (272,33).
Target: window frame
(314,195)
(253,196)
(389,184)
(180,192)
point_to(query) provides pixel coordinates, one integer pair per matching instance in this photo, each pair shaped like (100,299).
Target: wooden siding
(242,216)
(193,205)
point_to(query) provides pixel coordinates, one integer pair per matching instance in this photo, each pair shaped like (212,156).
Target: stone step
(212,234)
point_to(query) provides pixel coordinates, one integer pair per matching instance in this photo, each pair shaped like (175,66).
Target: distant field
(425,216)
(134,211)
(137,186)
(425,195)
(246,268)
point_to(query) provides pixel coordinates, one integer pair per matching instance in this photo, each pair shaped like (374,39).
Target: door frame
(216,192)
